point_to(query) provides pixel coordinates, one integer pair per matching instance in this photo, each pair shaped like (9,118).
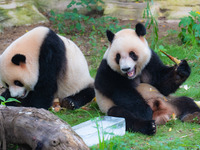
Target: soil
(12,33)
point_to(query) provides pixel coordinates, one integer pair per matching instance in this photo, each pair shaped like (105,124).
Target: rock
(168,9)
(19,12)
(124,9)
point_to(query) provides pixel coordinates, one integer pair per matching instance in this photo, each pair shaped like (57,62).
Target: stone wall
(168,9)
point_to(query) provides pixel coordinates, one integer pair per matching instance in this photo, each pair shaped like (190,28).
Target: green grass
(182,136)
(74,117)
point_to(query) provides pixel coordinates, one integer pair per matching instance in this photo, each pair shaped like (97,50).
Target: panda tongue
(131,73)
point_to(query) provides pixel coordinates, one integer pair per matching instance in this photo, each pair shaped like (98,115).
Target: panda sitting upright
(127,63)
(40,66)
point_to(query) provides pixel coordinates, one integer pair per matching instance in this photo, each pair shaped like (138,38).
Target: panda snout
(129,72)
(126,69)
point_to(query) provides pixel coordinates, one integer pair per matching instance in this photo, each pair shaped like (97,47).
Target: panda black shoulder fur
(41,65)
(127,63)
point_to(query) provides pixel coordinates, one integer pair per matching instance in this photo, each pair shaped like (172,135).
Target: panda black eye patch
(6,85)
(133,56)
(18,83)
(117,58)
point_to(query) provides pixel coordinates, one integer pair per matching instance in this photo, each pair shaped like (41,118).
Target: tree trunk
(38,129)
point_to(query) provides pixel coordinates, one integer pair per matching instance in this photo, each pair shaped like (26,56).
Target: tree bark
(38,129)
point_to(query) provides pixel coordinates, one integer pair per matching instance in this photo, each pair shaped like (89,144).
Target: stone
(168,9)
(19,12)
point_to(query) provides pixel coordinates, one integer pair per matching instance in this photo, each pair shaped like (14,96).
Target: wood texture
(38,129)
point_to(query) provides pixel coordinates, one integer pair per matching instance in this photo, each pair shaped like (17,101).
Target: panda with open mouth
(129,62)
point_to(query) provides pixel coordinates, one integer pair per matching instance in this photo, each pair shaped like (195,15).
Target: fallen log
(36,129)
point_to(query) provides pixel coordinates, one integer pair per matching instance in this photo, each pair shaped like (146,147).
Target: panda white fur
(41,65)
(126,64)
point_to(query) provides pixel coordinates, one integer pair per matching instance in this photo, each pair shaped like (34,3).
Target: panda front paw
(183,69)
(148,127)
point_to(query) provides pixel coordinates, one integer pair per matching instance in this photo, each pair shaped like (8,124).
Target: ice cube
(100,128)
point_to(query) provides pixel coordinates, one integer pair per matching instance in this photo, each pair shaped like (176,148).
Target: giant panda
(40,66)
(126,64)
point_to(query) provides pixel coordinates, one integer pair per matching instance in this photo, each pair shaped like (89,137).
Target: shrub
(190,28)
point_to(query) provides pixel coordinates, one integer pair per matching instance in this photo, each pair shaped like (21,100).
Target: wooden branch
(37,129)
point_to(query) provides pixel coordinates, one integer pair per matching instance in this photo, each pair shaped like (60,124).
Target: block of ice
(100,128)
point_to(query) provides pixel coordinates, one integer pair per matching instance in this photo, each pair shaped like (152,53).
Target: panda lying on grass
(126,64)
(40,66)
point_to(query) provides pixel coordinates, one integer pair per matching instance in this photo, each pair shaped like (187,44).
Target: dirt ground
(12,33)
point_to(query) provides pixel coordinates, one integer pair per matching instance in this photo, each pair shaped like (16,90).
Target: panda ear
(110,35)
(18,58)
(140,29)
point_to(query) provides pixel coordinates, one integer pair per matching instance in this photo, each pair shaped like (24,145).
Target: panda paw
(183,69)
(149,127)
(146,127)
(67,103)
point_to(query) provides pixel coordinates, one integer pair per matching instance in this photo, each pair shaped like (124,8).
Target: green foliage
(72,23)
(85,3)
(4,101)
(190,29)
(77,23)
(151,22)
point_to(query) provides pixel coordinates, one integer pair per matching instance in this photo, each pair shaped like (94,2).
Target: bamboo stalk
(177,61)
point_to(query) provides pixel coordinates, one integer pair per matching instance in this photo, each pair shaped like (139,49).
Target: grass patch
(182,136)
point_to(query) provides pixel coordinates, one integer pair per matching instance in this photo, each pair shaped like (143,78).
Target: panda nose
(126,69)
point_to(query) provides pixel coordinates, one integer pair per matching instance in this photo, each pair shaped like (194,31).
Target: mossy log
(36,129)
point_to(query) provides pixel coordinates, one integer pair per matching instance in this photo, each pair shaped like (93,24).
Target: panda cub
(164,107)
(127,63)
(40,66)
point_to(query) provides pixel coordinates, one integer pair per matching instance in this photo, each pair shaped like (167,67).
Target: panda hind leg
(188,110)
(133,124)
(79,99)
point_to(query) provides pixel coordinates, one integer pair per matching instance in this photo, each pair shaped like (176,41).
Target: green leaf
(186,21)
(79,3)
(193,13)
(75,10)
(161,47)
(99,8)
(78,26)
(70,4)
(2,98)
(12,100)
(52,13)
